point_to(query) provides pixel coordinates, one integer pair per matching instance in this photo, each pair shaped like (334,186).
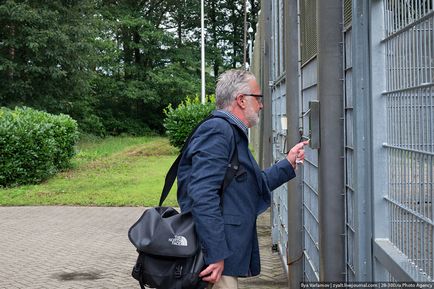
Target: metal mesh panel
(402,14)
(409,45)
(308,30)
(280,195)
(310,217)
(281,37)
(310,181)
(347,13)
(350,225)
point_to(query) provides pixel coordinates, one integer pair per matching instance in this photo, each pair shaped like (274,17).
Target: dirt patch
(152,149)
(78,276)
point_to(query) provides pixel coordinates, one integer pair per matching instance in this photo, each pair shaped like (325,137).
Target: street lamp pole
(202,24)
(245,36)
(250,44)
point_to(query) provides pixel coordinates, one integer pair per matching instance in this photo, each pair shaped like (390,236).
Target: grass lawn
(121,171)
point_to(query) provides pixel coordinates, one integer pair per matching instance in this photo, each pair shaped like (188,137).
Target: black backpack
(170,255)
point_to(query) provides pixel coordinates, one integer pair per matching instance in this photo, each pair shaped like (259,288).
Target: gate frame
(295,195)
(331,181)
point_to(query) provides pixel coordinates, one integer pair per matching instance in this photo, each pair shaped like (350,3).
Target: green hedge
(34,145)
(181,121)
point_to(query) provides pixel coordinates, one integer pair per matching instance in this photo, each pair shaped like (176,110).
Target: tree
(113,65)
(45,55)
(152,67)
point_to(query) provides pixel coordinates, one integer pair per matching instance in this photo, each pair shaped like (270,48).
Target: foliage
(111,171)
(180,122)
(45,55)
(114,65)
(34,145)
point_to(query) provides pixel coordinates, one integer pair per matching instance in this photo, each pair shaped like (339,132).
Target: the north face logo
(178,241)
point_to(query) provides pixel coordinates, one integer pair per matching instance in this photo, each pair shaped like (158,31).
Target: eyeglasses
(258,96)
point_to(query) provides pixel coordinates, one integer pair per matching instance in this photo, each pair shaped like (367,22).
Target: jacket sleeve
(273,177)
(210,151)
(278,174)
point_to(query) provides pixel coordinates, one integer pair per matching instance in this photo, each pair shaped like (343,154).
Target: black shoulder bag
(170,255)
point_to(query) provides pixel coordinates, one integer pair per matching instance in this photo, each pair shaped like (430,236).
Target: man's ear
(241,100)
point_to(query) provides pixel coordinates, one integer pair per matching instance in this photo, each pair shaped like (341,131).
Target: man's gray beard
(252,118)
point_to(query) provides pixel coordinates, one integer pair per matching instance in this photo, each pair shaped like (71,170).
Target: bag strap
(173,171)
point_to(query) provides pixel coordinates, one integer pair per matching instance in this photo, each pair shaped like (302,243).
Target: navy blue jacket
(230,235)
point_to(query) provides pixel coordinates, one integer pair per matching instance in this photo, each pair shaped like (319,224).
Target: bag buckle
(178,271)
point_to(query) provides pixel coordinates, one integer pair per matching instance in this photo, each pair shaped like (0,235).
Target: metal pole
(361,124)
(295,198)
(202,50)
(267,128)
(245,36)
(331,166)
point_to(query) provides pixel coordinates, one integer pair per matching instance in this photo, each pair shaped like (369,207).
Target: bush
(181,121)
(34,145)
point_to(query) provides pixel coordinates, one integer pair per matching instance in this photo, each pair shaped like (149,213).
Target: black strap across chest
(231,171)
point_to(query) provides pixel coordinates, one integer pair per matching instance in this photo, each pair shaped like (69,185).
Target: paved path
(88,247)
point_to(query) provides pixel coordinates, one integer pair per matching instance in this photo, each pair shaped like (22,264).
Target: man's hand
(213,272)
(296,154)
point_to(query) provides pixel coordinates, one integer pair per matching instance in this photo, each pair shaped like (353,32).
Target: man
(227,228)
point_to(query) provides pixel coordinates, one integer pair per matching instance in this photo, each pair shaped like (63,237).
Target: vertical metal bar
(331,201)
(395,15)
(431,174)
(419,53)
(399,59)
(421,207)
(267,132)
(405,59)
(412,57)
(295,196)
(426,63)
(403,14)
(391,45)
(430,24)
(397,43)
(430,95)
(381,228)
(418,9)
(421,116)
(202,50)
(386,16)
(399,55)
(422,234)
(348,209)
(431,169)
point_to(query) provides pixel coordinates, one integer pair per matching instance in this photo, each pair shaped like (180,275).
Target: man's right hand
(213,272)
(296,154)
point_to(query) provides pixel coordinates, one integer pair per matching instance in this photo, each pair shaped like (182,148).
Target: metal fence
(409,140)
(310,183)
(387,138)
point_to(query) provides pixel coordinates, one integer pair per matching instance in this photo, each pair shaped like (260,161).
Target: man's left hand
(213,272)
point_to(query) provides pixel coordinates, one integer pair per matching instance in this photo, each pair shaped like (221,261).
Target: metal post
(331,185)
(378,112)
(245,36)
(267,128)
(362,133)
(295,226)
(202,50)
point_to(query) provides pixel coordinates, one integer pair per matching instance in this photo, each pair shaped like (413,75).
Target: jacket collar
(232,119)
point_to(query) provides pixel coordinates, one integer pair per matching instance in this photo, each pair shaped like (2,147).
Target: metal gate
(310,177)
(279,130)
(387,137)
(403,145)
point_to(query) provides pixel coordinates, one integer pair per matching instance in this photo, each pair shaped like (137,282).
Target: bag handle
(173,171)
